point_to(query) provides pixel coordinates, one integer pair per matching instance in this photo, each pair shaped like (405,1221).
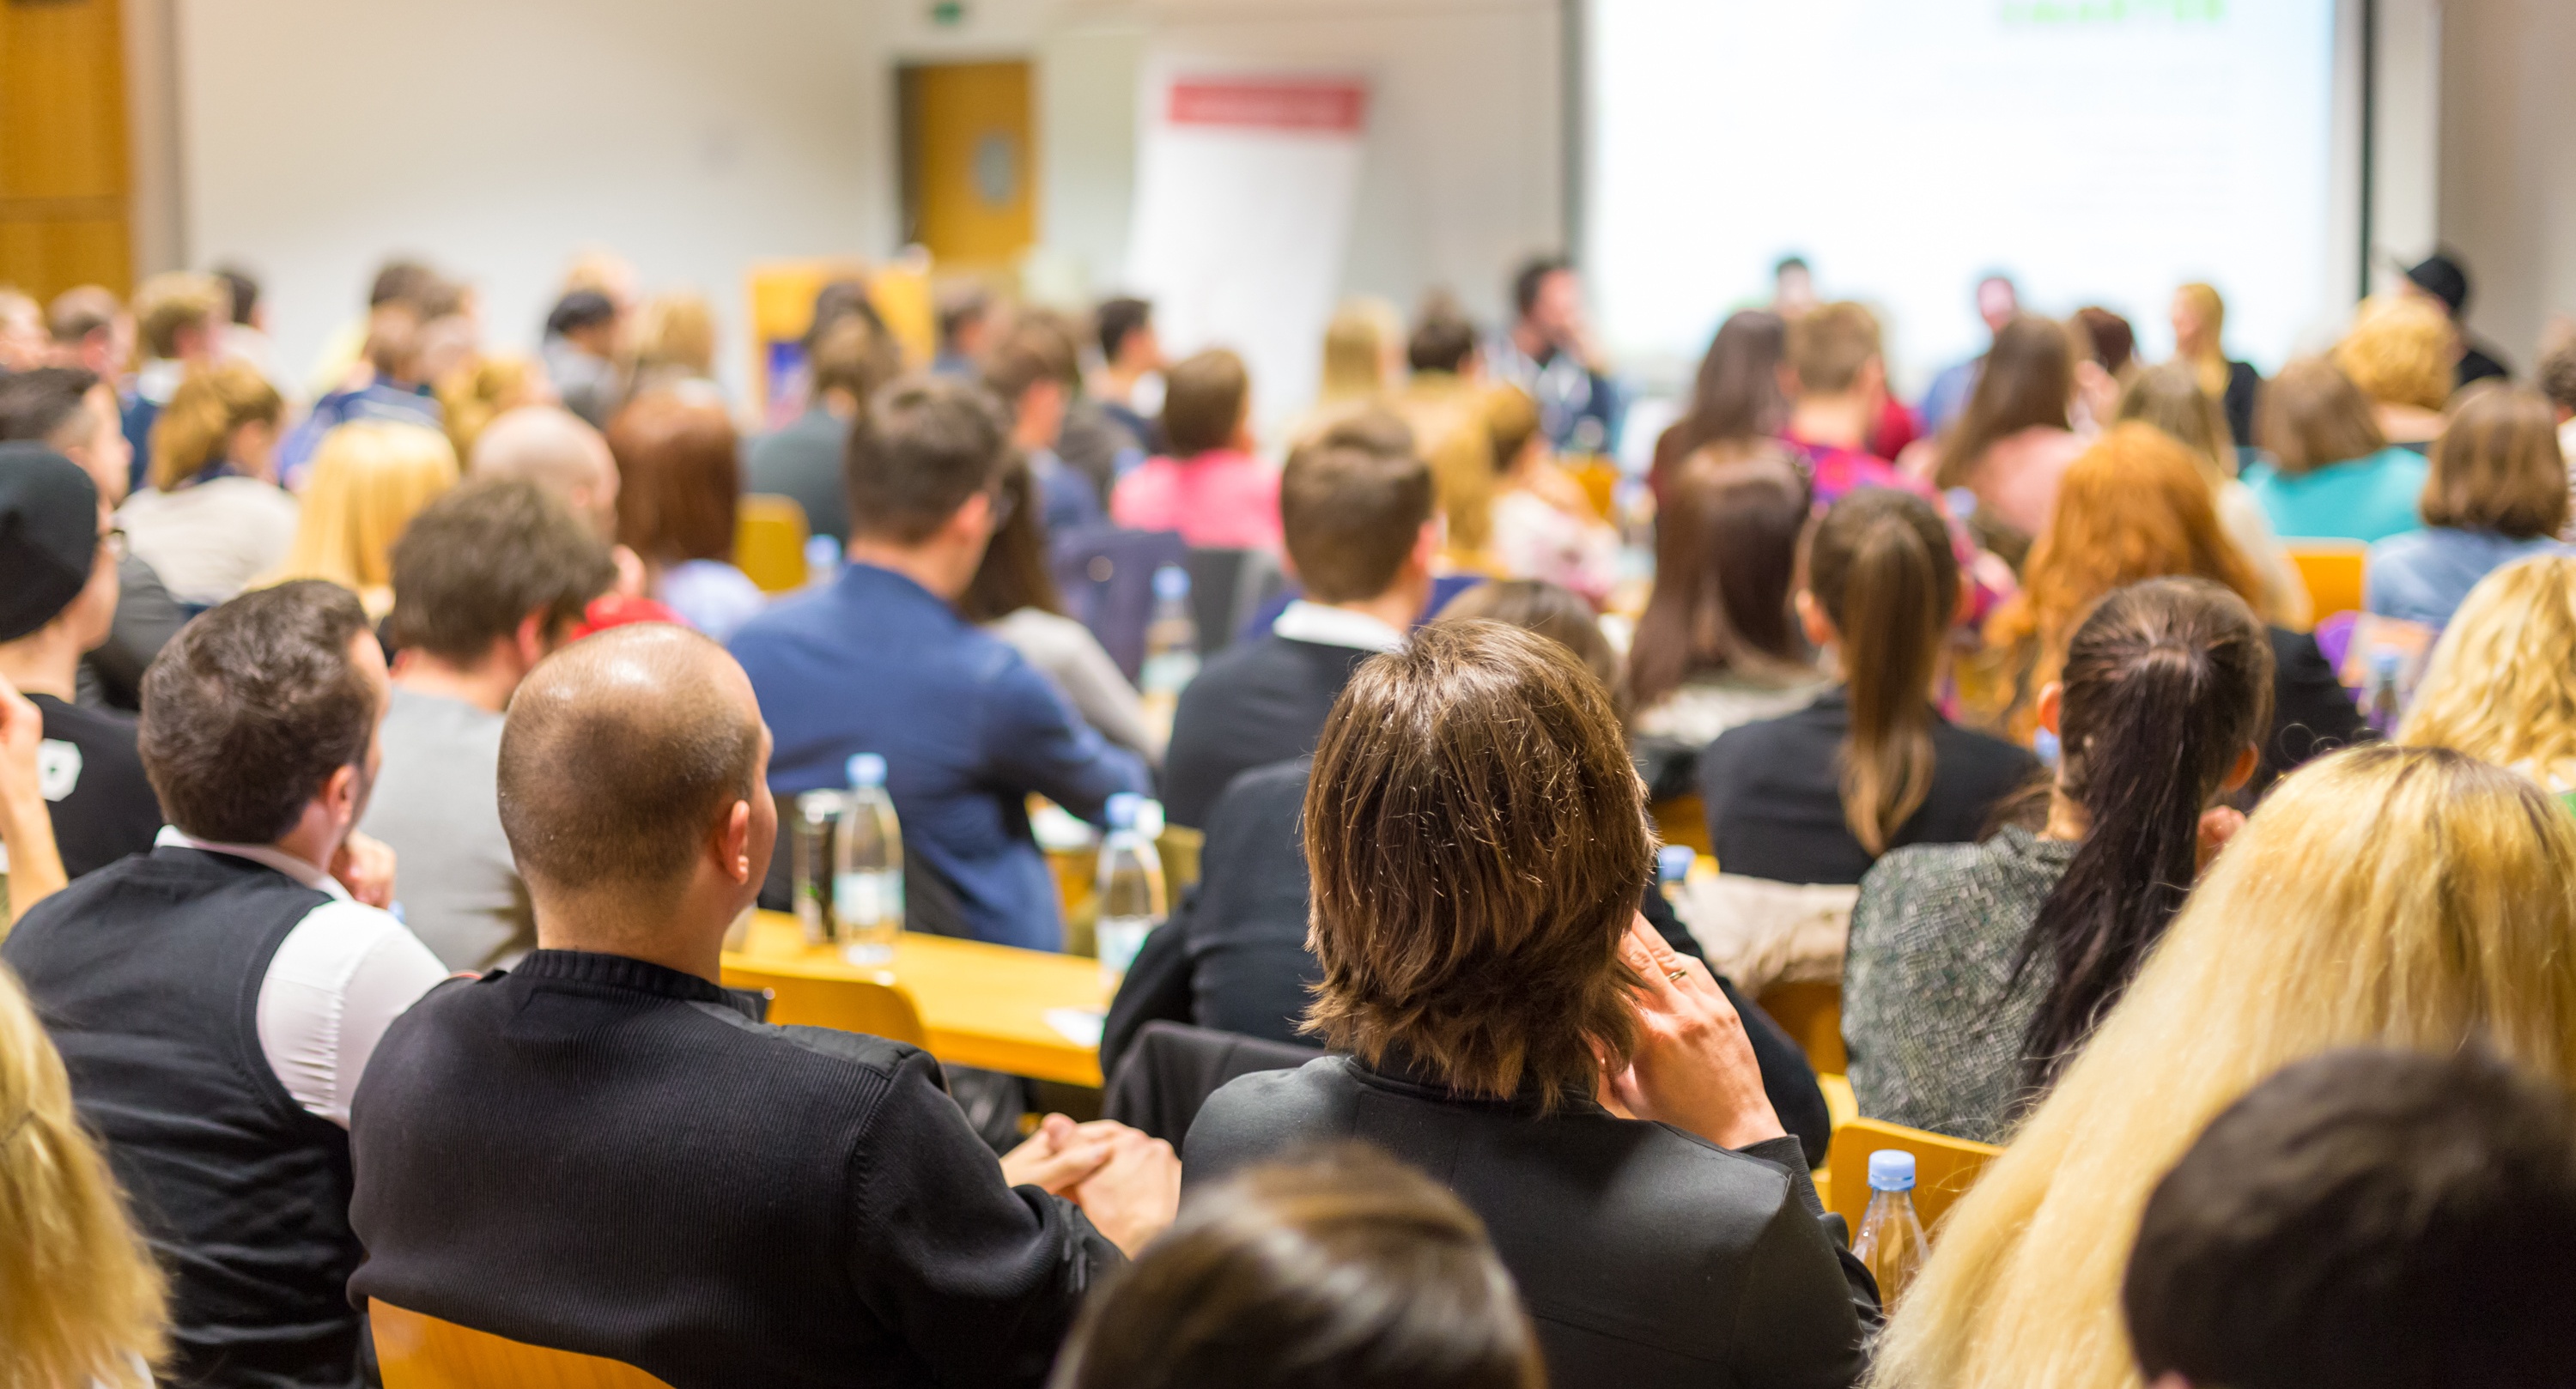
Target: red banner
(1270,104)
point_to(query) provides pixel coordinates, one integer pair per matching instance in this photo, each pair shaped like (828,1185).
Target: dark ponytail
(2166,685)
(1880,563)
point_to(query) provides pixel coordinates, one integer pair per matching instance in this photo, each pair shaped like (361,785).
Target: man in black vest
(604,1151)
(218,998)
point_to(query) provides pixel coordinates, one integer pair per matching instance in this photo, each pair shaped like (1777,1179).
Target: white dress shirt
(338,980)
(1329,626)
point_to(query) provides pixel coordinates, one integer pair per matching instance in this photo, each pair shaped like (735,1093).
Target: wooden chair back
(1683,820)
(1812,1015)
(422,1352)
(1944,1167)
(880,1008)
(2333,572)
(769,536)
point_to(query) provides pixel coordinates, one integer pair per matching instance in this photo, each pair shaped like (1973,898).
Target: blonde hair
(677,329)
(81,1300)
(2209,367)
(483,390)
(368,480)
(2399,352)
(2401,897)
(1357,344)
(195,429)
(2499,687)
(175,300)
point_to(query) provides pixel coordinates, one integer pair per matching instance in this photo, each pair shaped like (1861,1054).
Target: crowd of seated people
(386,757)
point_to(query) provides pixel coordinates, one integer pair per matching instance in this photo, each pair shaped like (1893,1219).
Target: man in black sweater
(1355,508)
(604,1151)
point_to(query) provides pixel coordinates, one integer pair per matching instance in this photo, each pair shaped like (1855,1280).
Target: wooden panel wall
(63,186)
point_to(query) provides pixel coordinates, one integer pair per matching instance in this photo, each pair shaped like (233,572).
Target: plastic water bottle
(810,848)
(822,561)
(1131,882)
(1672,869)
(1171,638)
(867,867)
(2382,710)
(1891,1242)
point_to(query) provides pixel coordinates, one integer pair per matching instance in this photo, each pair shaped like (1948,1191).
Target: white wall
(2508,168)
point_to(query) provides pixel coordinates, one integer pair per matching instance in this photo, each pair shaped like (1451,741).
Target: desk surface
(1024,1012)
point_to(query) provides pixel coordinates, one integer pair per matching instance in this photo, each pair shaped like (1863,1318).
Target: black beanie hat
(48,536)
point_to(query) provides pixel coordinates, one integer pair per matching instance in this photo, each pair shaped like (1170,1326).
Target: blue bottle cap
(1122,810)
(2384,661)
(1891,1169)
(867,769)
(1171,581)
(1673,862)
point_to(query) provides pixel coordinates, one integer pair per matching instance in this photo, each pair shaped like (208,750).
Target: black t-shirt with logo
(93,782)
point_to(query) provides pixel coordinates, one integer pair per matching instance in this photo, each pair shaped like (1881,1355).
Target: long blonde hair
(196,428)
(2209,365)
(1358,343)
(81,1300)
(369,479)
(2499,686)
(2405,897)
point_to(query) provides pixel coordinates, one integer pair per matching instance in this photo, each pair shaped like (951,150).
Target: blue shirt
(377,400)
(877,663)
(2423,576)
(2369,498)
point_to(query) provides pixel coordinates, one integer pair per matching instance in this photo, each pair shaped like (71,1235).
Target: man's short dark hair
(583,308)
(1533,274)
(918,452)
(1442,341)
(251,708)
(243,287)
(1351,508)
(402,282)
(1035,351)
(2369,1220)
(472,566)
(2558,375)
(1119,317)
(1204,398)
(958,306)
(608,780)
(36,404)
(80,311)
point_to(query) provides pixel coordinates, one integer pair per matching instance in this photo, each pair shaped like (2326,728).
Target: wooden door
(63,189)
(969,163)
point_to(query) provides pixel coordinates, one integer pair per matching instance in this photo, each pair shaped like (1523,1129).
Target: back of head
(679,467)
(1828,346)
(1552,610)
(1358,343)
(2558,374)
(1339,1270)
(1205,399)
(2136,505)
(1116,318)
(853,355)
(2170,398)
(478,561)
(2499,686)
(1015,572)
(402,281)
(960,307)
(253,706)
(1726,560)
(1736,396)
(174,302)
(2368,1219)
(544,444)
(1037,350)
(1881,567)
(1478,841)
(2166,686)
(2115,343)
(677,330)
(85,1298)
(2381,896)
(1351,508)
(2312,415)
(241,290)
(80,311)
(211,403)
(2497,466)
(1443,338)
(44,406)
(1511,424)
(369,478)
(2400,351)
(582,309)
(922,447)
(2028,383)
(621,754)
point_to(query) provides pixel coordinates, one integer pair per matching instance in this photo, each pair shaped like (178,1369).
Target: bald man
(604,1151)
(559,451)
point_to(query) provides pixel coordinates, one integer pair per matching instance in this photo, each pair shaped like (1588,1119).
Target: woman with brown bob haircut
(1478,845)
(679,471)
(2497,493)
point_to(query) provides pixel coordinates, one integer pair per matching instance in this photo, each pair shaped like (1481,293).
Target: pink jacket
(1215,499)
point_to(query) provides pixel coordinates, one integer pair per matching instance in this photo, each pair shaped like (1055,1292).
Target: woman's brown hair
(1551,610)
(2028,382)
(1014,574)
(1340,1267)
(1726,558)
(2497,466)
(1736,396)
(679,471)
(2312,415)
(1478,843)
(1881,567)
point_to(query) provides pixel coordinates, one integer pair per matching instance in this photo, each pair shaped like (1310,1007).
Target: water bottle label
(1120,938)
(864,899)
(1168,673)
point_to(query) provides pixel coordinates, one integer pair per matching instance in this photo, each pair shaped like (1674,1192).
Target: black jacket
(602,1155)
(1775,803)
(1235,959)
(1647,1256)
(2312,714)
(1255,703)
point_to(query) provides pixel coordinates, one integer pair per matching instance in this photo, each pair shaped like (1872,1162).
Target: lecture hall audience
(2499,686)
(1735,396)
(679,481)
(1718,644)
(2015,437)
(2170,398)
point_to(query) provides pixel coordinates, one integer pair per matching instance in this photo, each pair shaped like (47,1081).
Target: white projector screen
(2097,151)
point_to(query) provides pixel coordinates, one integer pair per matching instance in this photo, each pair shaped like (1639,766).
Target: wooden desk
(984,1005)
